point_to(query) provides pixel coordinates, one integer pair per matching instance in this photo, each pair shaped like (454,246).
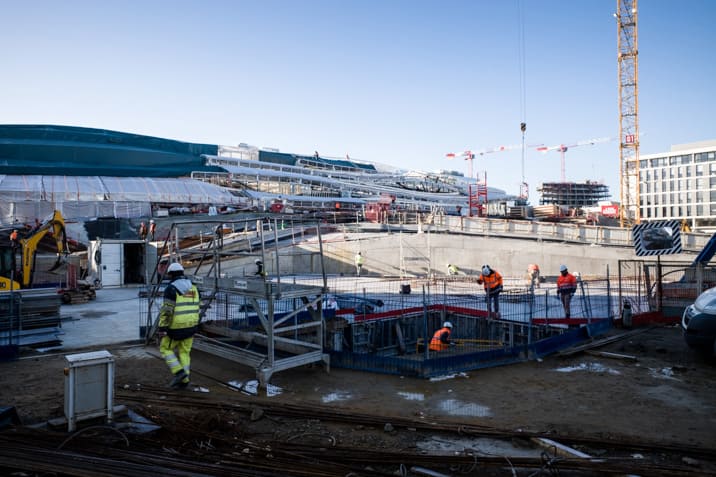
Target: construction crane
(627,59)
(469,155)
(562,149)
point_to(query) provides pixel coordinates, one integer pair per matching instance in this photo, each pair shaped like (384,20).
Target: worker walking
(533,275)
(566,287)
(492,282)
(152,229)
(178,321)
(359,263)
(452,269)
(441,338)
(142,231)
(259,268)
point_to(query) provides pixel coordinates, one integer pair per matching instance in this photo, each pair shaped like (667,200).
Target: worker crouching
(441,338)
(178,321)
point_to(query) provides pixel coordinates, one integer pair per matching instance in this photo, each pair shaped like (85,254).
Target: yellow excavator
(15,278)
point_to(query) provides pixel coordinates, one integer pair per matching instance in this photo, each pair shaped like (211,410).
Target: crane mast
(628,72)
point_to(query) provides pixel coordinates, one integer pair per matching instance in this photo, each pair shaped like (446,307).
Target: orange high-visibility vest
(436,344)
(492,282)
(566,283)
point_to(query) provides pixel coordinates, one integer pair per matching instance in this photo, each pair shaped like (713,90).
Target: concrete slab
(113,317)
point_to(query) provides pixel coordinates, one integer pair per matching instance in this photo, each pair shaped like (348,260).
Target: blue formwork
(519,342)
(426,368)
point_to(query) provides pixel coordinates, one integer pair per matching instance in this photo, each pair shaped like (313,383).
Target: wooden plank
(602,342)
(607,354)
(559,449)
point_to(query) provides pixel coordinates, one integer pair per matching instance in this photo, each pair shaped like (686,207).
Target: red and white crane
(470,155)
(563,148)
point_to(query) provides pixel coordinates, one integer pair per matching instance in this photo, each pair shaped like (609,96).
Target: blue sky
(397,82)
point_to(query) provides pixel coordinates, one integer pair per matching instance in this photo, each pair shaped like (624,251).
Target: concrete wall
(420,254)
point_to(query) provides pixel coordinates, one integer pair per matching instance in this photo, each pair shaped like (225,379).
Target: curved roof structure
(77,151)
(26,197)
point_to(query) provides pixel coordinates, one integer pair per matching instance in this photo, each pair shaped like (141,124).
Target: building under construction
(573,194)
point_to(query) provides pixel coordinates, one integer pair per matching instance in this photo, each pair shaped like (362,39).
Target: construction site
(345,319)
(284,383)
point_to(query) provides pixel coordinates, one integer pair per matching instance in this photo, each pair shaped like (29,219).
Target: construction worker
(441,338)
(491,280)
(142,231)
(452,269)
(259,268)
(359,263)
(152,229)
(330,305)
(14,239)
(533,275)
(566,287)
(178,321)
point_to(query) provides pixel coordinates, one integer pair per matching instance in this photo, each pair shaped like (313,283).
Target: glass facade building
(680,184)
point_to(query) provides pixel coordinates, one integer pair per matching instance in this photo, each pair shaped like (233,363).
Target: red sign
(610,210)
(630,139)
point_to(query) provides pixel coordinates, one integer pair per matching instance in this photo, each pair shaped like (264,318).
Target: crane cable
(523,88)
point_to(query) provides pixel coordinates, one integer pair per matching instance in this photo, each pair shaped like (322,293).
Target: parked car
(699,322)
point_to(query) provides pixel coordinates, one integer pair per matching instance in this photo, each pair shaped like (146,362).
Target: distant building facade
(680,184)
(573,194)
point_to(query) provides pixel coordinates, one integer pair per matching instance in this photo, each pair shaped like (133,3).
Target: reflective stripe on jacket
(566,283)
(441,340)
(180,316)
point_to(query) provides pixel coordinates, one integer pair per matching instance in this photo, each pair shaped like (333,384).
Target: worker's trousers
(179,360)
(493,301)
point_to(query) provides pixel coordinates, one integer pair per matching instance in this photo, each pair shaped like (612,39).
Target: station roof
(18,188)
(78,151)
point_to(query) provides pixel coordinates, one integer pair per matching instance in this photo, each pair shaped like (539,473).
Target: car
(698,323)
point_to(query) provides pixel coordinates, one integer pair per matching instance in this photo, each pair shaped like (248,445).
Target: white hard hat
(175,267)
(257,261)
(151,221)
(563,268)
(485,269)
(447,324)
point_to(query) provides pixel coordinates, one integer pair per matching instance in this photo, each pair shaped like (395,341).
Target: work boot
(179,379)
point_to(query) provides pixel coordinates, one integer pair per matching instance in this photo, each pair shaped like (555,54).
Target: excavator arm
(28,249)
(55,225)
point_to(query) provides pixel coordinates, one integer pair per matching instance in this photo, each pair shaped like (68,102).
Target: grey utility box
(89,387)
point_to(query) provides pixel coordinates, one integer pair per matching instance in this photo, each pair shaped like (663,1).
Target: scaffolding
(264,323)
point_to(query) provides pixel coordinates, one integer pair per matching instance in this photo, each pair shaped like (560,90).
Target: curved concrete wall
(421,254)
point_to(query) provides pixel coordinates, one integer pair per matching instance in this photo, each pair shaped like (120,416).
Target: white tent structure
(25,198)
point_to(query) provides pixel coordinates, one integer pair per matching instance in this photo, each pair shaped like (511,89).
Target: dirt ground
(664,395)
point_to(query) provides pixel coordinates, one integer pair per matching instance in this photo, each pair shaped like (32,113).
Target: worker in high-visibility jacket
(452,269)
(533,275)
(566,287)
(14,239)
(178,321)
(491,280)
(359,263)
(441,338)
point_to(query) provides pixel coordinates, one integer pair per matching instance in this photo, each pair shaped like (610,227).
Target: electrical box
(89,387)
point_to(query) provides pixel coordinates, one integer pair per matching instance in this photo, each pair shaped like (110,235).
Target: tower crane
(562,149)
(469,155)
(628,62)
